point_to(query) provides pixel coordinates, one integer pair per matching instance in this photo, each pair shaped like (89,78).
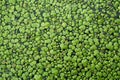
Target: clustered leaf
(59,39)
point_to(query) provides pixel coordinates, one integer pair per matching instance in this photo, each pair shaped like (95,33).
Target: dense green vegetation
(59,39)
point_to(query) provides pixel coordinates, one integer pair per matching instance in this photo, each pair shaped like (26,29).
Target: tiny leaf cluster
(59,39)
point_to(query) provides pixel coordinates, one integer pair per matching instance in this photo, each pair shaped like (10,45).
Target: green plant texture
(59,39)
